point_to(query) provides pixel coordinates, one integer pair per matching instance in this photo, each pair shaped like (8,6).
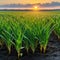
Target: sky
(54,4)
(3,2)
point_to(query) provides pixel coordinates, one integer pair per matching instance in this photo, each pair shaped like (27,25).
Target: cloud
(47,5)
(53,4)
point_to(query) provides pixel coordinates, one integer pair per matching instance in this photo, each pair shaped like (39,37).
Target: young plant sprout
(27,30)
(6,33)
(18,31)
(57,28)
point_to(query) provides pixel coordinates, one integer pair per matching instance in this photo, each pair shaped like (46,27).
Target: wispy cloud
(44,5)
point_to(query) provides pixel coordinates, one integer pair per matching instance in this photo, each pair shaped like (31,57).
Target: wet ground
(53,52)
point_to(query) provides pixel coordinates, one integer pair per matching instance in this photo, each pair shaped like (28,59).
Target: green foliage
(57,28)
(27,30)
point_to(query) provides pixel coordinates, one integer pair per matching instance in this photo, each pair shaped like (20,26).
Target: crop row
(27,32)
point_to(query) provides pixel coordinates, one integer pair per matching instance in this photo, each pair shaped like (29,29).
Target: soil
(52,53)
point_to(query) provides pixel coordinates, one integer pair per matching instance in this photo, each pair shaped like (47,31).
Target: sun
(35,8)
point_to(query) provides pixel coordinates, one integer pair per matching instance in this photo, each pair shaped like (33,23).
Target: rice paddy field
(29,35)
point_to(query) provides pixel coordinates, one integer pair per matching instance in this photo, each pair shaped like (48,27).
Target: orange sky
(26,1)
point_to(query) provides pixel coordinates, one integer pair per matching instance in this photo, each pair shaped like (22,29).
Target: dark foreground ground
(53,52)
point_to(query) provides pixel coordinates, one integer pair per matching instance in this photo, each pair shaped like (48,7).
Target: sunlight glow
(36,8)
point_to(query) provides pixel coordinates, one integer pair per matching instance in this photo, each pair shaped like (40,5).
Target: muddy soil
(52,53)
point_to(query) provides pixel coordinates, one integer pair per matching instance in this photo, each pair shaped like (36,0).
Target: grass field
(28,29)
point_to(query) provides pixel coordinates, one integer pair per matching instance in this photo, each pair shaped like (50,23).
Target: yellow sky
(34,1)
(26,1)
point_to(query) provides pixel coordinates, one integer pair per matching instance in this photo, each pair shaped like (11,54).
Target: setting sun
(35,8)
